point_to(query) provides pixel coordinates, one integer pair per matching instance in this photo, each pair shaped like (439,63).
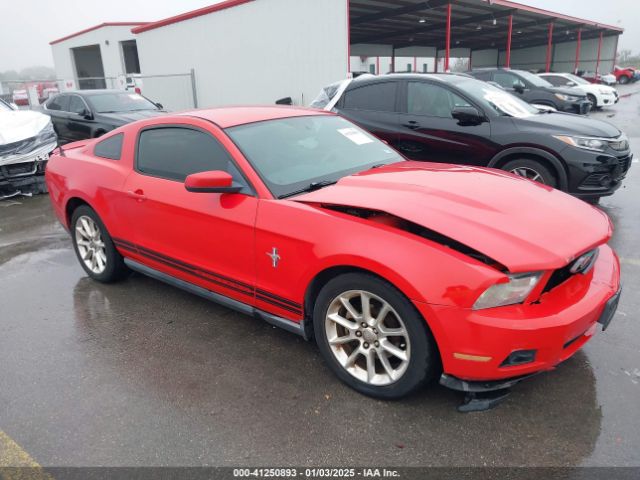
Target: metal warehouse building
(258,51)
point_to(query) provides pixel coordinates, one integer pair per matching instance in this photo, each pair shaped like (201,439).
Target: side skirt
(288,325)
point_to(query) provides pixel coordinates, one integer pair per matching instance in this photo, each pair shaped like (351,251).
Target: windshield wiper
(310,188)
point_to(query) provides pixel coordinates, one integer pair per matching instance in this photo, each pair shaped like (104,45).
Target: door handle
(138,195)
(412,124)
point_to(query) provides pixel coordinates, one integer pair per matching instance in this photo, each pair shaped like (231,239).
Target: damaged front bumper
(23,173)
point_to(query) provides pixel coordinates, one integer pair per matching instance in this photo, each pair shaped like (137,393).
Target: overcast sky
(29,25)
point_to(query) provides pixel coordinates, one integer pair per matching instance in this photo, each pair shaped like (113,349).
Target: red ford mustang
(400,270)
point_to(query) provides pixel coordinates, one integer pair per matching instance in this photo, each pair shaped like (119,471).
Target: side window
(506,80)
(76,105)
(485,76)
(59,102)
(433,100)
(110,148)
(557,81)
(379,97)
(174,153)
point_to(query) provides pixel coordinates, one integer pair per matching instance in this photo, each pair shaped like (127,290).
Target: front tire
(594,101)
(94,248)
(623,80)
(533,170)
(372,337)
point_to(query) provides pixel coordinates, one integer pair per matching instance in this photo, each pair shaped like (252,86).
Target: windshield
(497,99)
(291,154)
(577,79)
(536,80)
(120,102)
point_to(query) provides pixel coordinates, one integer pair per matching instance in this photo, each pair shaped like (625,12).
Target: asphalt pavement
(142,374)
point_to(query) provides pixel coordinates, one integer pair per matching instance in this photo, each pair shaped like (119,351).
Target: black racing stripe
(218,279)
(198,275)
(186,265)
(279,305)
(278,298)
(193,267)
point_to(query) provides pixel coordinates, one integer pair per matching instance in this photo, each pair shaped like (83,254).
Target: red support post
(598,58)
(448,39)
(549,47)
(348,2)
(575,67)
(509,32)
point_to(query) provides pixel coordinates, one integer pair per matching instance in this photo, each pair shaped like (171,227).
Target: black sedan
(457,119)
(91,113)
(535,90)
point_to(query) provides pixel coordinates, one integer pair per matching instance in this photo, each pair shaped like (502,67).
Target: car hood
(18,125)
(128,117)
(523,225)
(558,123)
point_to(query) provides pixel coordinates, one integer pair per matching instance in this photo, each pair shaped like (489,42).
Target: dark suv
(533,89)
(457,119)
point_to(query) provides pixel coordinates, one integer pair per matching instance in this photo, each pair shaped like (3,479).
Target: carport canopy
(470,24)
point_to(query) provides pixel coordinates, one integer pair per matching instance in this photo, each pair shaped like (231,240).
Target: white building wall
(112,59)
(254,53)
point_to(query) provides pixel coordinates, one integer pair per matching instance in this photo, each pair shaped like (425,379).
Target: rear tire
(94,247)
(533,170)
(372,337)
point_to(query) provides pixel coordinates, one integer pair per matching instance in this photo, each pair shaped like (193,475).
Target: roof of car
(94,92)
(444,77)
(226,117)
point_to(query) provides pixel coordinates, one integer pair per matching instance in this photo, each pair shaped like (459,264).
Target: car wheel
(531,169)
(593,100)
(94,248)
(623,80)
(372,337)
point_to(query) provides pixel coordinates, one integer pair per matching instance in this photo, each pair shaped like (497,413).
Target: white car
(26,140)
(599,95)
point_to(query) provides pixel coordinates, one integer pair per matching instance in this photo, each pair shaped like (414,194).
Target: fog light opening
(519,357)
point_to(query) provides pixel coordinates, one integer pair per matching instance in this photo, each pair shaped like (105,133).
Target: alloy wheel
(529,173)
(90,244)
(367,337)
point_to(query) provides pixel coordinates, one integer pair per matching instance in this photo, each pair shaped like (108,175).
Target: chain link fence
(174,91)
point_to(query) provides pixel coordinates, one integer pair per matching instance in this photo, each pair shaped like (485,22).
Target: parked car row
(457,119)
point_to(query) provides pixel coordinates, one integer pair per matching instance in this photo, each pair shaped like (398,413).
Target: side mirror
(518,87)
(86,114)
(215,181)
(467,115)
(571,84)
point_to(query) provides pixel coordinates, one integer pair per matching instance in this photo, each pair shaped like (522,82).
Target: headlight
(588,143)
(516,290)
(567,98)
(604,91)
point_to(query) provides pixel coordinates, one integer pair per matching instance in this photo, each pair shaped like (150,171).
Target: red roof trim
(549,13)
(96,27)
(189,15)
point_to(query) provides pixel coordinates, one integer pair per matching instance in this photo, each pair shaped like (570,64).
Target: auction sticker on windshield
(355,136)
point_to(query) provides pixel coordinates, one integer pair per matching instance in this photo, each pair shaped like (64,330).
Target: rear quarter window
(110,148)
